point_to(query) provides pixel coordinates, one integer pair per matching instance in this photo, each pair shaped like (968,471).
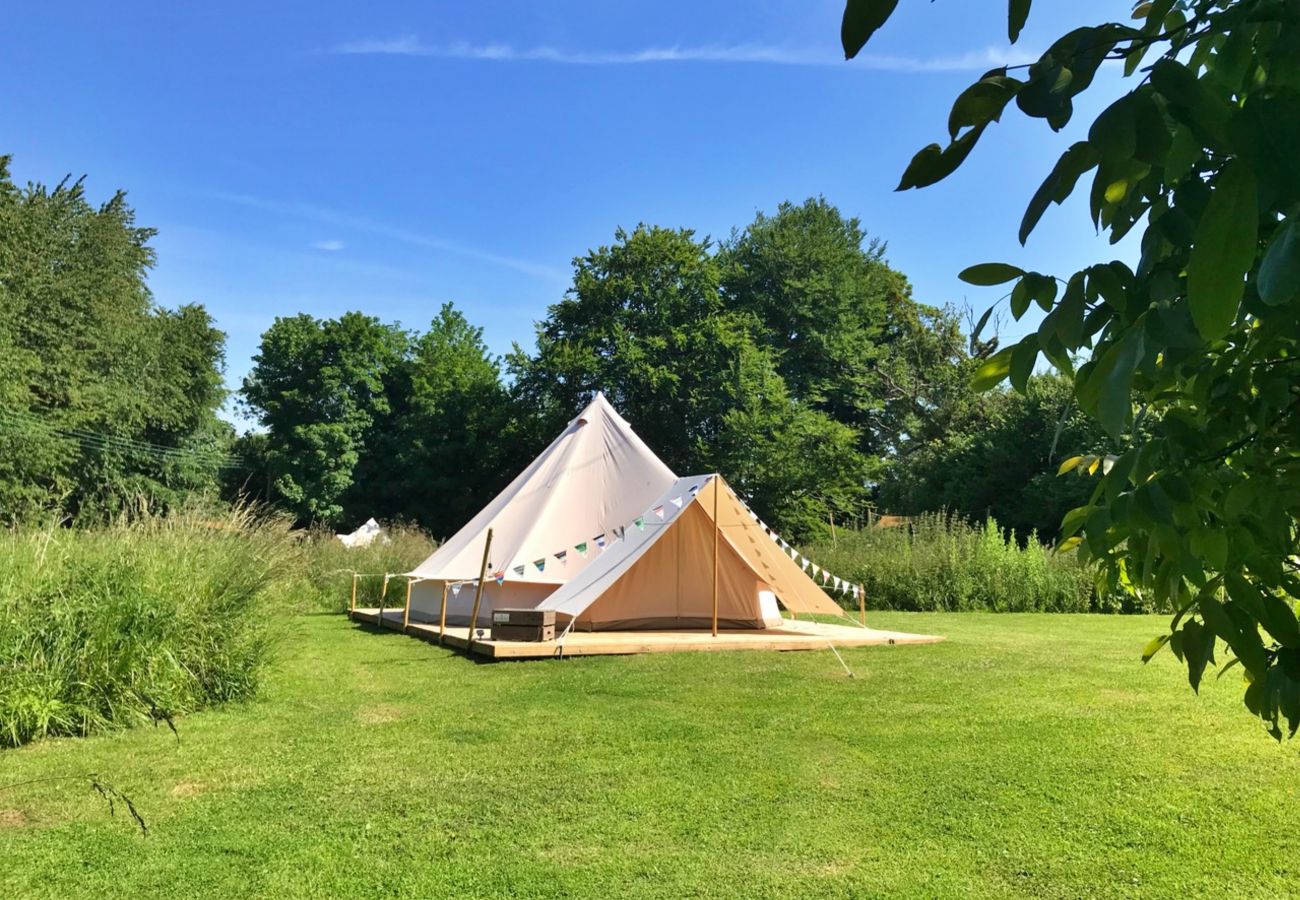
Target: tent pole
(442,614)
(383,592)
(352,607)
(862,604)
(406,613)
(478,592)
(716,528)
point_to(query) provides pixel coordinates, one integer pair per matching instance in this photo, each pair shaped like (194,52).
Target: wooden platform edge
(628,643)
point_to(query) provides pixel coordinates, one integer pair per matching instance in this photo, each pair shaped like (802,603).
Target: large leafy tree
(444,444)
(847,337)
(105,397)
(647,322)
(1190,356)
(998,455)
(319,388)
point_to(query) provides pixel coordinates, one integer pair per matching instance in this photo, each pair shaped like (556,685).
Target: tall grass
(127,623)
(324,583)
(942,562)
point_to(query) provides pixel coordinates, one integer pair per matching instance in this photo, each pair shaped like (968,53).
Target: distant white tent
(549,524)
(697,542)
(363,536)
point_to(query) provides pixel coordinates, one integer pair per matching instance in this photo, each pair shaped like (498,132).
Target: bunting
(677,502)
(658,511)
(600,541)
(519,571)
(540,563)
(500,576)
(455,588)
(563,557)
(581,548)
(639,523)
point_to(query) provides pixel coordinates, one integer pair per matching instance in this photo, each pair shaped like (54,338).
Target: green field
(1029,755)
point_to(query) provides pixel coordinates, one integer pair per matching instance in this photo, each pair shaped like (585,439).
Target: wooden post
(716,529)
(862,604)
(442,613)
(383,592)
(478,592)
(406,613)
(352,607)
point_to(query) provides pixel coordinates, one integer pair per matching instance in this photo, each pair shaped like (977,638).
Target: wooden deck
(794,635)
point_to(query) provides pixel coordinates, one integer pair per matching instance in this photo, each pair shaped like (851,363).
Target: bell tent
(696,558)
(548,525)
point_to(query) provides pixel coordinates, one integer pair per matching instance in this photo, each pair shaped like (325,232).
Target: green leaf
(862,18)
(992,370)
(1017,15)
(1114,132)
(1224,251)
(1069,465)
(1198,651)
(981,103)
(1210,545)
(1106,392)
(934,163)
(1278,280)
(1023,357)
(1079,158)
(1246,644)
(986,274)
(1153,647)
(979,326)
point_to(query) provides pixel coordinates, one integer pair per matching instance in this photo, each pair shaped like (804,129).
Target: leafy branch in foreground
(1199,507)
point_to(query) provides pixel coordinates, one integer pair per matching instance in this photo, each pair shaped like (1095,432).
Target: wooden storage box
(523,632)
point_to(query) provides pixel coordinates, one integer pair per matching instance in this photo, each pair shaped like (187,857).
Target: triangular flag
(803,562)
(658,511)
(640,523)
(620,532)
(455,589)
(519,570)
(677,502)
(563,557)
(581,548)
(600,541)
(500,577)
(540,563)
(815,569)
(695,489)
(837,582)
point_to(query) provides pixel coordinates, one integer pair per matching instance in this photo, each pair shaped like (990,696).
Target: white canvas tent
(598,475)
(701,560)
(363,536)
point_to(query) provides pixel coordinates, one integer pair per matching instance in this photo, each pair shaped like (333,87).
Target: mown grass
(942,563)
(1026,756)
(123,624)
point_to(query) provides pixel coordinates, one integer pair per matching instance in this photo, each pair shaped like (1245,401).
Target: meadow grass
(941,562)
(135,621)
(1026,756)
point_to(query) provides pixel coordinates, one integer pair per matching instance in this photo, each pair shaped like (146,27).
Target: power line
(107,442)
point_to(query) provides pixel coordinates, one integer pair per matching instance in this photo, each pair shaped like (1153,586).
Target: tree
(444,444)
(647,322)
(998,457)
(105,397)
(1199,509)
(319,387)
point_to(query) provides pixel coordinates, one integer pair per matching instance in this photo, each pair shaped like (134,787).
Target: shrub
(941,562)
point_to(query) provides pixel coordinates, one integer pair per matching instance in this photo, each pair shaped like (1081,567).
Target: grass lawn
(1029,755)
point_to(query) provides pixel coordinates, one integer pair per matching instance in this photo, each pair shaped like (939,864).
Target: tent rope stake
(841,659)
(478,591)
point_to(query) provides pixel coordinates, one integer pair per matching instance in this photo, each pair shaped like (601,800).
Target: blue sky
(329,156)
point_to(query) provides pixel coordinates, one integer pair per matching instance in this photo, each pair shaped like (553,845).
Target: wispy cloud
(335,219)
(330,246)
(760,54)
